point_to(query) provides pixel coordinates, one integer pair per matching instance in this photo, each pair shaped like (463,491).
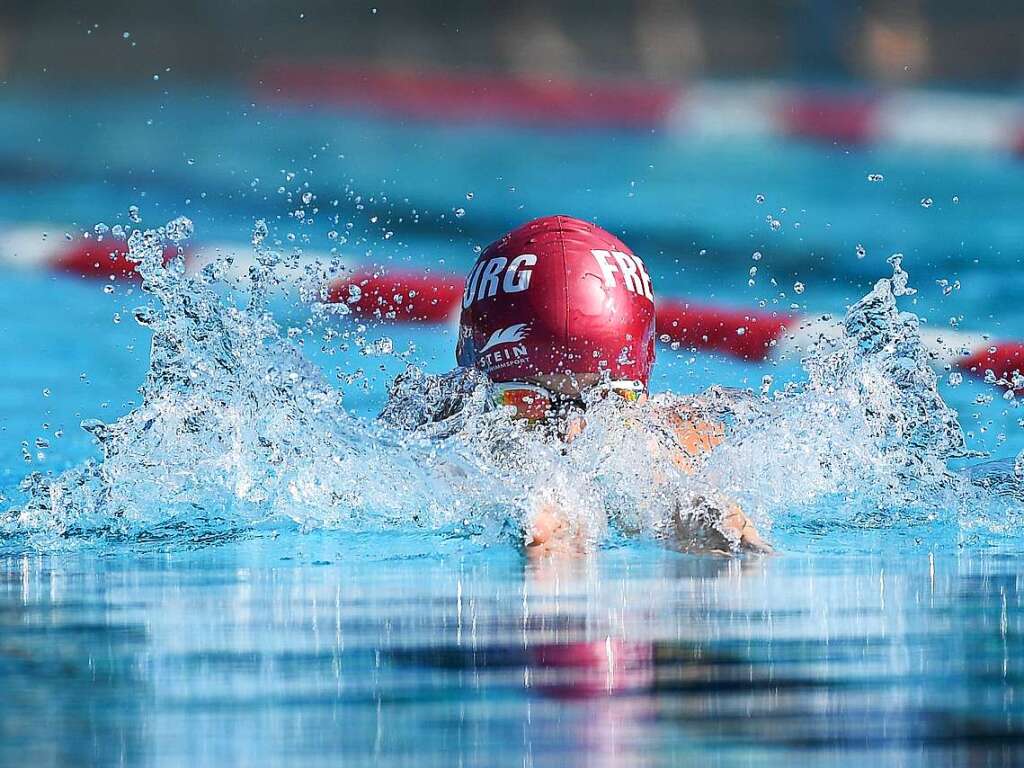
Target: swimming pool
(239,637)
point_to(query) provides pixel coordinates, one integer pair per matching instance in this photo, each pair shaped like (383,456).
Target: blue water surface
(269,646)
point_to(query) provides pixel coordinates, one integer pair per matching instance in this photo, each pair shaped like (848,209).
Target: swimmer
(558,311)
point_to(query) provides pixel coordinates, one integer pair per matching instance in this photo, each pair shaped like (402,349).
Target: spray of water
(237,431)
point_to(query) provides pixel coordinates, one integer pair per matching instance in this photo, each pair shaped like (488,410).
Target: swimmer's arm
(548,530)
(724,526)
(730,526)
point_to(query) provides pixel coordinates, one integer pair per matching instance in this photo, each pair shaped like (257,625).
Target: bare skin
(551,534)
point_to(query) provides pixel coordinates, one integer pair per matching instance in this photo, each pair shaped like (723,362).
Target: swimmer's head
(558,301)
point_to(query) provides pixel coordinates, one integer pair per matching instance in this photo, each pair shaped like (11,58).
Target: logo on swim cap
(558,295)
(508,335)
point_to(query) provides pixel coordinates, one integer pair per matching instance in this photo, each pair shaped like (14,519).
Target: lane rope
(434,297)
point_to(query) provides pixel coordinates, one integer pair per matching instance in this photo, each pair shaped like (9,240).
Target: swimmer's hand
(725,532)
(548,533)
(739,525)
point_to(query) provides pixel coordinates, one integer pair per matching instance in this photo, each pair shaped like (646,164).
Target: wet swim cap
(558,295)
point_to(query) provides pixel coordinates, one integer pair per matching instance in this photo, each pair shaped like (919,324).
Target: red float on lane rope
(1002,358)
(399,296)
(89,257)
(739,333)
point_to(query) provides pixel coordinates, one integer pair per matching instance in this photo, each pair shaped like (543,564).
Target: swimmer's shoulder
(694,432)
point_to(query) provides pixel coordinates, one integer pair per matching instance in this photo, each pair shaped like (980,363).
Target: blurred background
(762,155)
(886,41)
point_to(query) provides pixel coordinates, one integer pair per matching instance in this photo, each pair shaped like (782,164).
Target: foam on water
(238,431)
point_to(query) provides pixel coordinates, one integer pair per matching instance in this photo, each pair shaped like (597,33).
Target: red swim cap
(558,295)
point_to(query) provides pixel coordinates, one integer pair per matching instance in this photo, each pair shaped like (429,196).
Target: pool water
(317,650)
(887,637)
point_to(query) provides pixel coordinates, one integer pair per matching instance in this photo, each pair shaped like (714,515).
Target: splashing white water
(237,429)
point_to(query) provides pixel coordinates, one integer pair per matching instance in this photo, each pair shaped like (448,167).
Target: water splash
(237,431)
(235,427)
(867,434)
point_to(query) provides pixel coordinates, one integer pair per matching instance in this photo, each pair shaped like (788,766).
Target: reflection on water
(313,651)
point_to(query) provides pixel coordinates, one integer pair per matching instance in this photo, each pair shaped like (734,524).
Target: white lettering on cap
(489,277)
(634,275)
(517,279)
(486,279)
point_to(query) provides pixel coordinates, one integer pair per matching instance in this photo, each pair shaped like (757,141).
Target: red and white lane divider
(908,118)
(752,335)
(431,297)
(54,250)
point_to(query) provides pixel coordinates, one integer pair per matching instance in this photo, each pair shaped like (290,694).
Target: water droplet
(861,251)
(469,195)
(798,287)
(46,391)
(259,232)
(133,214)
(307,197)
(460,212)
(926,202)
(758,199)
(956,199)
(756,256)
(143,316)
(126,35)
(876,177)
(899,276)
(179,229)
